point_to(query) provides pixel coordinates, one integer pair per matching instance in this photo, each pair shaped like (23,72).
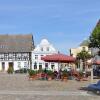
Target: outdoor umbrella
(60,58)
(96,62)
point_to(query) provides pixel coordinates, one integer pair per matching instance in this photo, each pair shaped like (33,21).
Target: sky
(65,23)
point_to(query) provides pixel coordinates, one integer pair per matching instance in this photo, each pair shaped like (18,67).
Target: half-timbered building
(15,51)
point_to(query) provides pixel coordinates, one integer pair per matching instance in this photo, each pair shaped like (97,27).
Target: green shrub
(81,73)
(40,71)
(49,72)
(64,73)
(32,72)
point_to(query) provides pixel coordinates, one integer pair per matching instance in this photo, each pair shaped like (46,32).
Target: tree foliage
(95,37)
(83,55)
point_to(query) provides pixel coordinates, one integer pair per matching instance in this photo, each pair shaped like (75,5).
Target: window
(36,56)
(6,56)
(35,65)
(25,65)
(18,56)
(19,64)
(41,49)
(52,66)
(84,49)
(46,65)
(47,48)
(41,55)
(10,56)
(2,56)
(40,66)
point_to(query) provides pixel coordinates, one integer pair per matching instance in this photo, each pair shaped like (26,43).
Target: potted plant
(64,75)
(32,74)
(49,74)
(39,73)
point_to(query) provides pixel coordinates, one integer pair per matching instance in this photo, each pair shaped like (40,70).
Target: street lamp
(92,60)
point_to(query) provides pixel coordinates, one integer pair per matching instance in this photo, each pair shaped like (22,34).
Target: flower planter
(33,77)
(64,75)
(63,78)
(49,78)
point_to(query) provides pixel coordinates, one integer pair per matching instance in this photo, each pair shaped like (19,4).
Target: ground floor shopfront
(39,65)
(16,65)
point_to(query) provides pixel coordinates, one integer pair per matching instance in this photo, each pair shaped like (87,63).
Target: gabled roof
(16,43)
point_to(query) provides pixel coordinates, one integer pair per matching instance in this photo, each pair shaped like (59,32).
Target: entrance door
(3,66)
(40,67)
(11,65)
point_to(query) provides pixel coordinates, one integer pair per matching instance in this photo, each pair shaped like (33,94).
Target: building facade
(75,51)
(15,51)
(43,49)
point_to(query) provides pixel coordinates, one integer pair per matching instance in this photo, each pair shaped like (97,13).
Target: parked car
(95,87)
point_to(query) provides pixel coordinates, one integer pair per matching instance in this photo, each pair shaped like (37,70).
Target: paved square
(18,87)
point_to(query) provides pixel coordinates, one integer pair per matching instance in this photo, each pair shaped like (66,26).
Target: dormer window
(36,56)
(83,48)
(41,49)
(47,48)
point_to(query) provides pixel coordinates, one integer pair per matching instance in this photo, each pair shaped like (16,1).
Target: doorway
(3,66)
(11,65)
(40,67)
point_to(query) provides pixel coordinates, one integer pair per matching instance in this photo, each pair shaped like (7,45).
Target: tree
(95,37)
(95,41)
(84,56)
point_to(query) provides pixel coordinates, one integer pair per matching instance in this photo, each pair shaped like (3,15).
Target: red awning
(58,58)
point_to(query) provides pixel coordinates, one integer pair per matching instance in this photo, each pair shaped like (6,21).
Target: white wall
(37,51)
(15,65)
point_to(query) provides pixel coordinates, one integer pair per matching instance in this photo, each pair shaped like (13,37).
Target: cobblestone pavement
(18,87)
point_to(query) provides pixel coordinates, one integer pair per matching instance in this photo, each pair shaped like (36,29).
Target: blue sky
(65,23)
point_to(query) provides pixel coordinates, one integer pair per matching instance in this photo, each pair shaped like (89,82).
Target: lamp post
(92,60)
(92,74)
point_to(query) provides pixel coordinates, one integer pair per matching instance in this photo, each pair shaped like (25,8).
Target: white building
(43,49)
(15,51)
